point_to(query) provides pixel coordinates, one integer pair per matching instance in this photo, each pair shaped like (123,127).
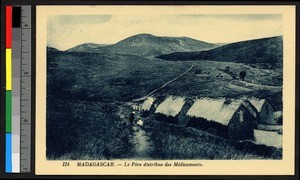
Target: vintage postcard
(165,90)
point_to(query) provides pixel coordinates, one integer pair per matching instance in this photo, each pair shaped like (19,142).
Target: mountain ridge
(86,46)
(49,48)
(148,45)
(264,50)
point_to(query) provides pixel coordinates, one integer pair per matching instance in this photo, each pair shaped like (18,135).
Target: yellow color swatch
(8,69)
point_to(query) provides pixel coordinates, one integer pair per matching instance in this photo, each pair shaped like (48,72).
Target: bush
(243,75)
(227,69)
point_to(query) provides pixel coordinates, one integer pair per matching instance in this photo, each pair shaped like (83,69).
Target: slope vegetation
(266,50)
(147,45)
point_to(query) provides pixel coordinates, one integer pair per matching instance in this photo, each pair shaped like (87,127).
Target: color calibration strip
(18,68)
(8,98)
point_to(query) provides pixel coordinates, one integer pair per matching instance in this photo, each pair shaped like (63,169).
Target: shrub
(243,75)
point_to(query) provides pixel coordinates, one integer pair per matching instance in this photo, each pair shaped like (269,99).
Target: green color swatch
(8,112)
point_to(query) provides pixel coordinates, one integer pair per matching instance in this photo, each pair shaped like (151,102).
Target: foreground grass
(86,131)
(174,142)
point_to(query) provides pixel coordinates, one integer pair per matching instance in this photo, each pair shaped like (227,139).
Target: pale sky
(66,31)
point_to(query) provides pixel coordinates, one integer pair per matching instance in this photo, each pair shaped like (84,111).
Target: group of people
(132,119)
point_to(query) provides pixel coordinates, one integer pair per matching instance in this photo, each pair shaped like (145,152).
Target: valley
(89,88)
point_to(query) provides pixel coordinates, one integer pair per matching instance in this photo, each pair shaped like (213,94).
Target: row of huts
(231,118)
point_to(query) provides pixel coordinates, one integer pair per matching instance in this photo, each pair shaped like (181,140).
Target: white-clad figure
(140,122)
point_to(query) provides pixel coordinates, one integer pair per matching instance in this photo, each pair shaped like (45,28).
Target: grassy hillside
(106,76)
(214,79)
(85,90)
(87,47)
(259,51)
(125,77)
(147,45)
(51,49)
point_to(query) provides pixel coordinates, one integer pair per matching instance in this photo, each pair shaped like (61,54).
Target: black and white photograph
(169,86)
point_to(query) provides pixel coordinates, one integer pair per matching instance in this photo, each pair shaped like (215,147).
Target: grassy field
(105,76)
(175,142)
(86,130)
(84,91)
(125,77)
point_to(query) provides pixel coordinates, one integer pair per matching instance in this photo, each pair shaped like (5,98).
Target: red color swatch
(8,25)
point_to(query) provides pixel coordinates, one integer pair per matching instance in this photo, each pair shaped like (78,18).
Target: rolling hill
(51,49)
(87,47)
(265,50)
(147,45)
(97,76)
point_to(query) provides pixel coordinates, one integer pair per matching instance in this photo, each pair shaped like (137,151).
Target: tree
(198,71)
(243,75)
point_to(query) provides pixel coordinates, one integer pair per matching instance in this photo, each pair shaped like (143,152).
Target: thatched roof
(249,106)
(148,103)
(217,110)
(278,114)
(257,103)
(171,106)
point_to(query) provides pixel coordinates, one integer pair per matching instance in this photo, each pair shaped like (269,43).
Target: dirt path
(142,143)
(247,86)
(164,85)
(140,139)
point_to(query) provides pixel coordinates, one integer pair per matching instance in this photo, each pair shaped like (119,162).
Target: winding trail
(140,139)
(164,85)
(142,143)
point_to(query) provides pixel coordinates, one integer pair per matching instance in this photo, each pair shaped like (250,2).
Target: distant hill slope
(266,50)
(147,45)
(102,76)
(87,47)
(51,49)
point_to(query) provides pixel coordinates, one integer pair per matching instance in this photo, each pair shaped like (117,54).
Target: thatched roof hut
(146,106)
(265,110)
(278,117)
(171,106)
(235,119)
(173,110)
(149,106)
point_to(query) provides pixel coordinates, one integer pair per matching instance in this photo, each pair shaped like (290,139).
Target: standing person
(131,117)
(140,122)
